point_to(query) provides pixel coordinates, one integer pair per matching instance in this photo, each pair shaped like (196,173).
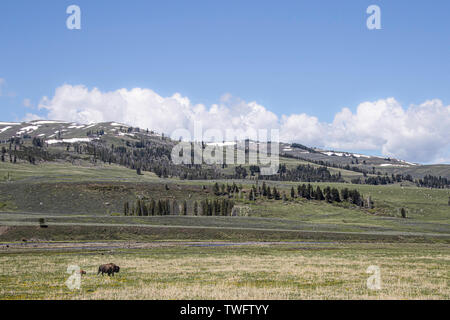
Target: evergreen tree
(195,208)
(151,209)
(184,208)
(223,208)
(328,196)
(216,190)
(167,205)
(335,195)
(255,192)
(144,209)
(269,193)
(250,195)
(276,194)
(160,209)
(139,207)
(319,195)
(403,213)
(344,194)
(309,192)
(175,207)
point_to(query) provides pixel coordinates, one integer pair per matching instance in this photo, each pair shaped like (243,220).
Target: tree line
(430,181)
(165,207)
(329,194)
(305,173)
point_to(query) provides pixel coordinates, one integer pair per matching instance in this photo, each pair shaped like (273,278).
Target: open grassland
(108,232)
(68,195)
(65,172)
(84,204)
(290,271)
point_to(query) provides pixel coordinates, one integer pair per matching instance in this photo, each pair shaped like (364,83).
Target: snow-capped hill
(54,131)
(342,158)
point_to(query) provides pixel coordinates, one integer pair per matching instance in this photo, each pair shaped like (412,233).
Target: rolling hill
(57,135)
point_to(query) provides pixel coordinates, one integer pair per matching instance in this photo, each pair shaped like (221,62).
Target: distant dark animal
(82,272)
(109,269)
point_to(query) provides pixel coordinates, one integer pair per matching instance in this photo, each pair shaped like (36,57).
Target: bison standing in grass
(109,268)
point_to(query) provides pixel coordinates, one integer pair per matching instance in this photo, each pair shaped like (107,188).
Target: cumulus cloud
(146,109)
(416,133)
(420,133)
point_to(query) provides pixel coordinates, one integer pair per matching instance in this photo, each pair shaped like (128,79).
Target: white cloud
(417,133)
(420,133)
(147,109)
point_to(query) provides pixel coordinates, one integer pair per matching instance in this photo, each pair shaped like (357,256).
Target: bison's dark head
(116,269)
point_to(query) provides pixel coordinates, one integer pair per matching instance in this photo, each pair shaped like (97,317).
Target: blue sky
(313,57)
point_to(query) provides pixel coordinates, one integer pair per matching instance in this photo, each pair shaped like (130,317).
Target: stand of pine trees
(329,164)
(305,173)
(430,181)
(385,179)
(329,194)
(165,207)
(154,155)
(16,150)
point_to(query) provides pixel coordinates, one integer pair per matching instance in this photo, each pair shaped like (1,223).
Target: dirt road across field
(116,245)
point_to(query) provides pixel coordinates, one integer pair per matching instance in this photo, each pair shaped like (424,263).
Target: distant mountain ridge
(55,132)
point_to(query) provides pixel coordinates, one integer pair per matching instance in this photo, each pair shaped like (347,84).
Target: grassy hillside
(57,135)
(67,209)
(94,195)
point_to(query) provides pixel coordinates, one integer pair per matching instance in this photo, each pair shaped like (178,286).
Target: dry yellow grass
(408,271)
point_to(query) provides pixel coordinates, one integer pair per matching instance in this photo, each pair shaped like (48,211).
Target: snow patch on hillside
(221,144)
(48,122)
(72,140)
(338,154)
(4,129)
(121,134)
(360,155)
(115,124)
(410,163)
(27,129)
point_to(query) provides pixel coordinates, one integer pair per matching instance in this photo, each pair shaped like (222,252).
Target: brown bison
(82,272)
(109,268)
